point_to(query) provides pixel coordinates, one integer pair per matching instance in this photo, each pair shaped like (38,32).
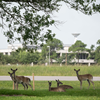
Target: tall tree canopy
(28,20)
(55,44)
(97,52)
(77,48)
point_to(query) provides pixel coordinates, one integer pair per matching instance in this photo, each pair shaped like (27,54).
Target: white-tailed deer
(20,80)
(64,86)
(55,89)
(16,83)
(84,77)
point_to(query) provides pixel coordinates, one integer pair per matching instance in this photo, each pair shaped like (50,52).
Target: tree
(91,52)
(55,44)
(2,59)
(60,59)
(77,48)
(98,42)
(22,17)
(97,52)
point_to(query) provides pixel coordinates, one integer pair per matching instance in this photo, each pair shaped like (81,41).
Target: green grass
(41,87)
(41,91)
(54,70)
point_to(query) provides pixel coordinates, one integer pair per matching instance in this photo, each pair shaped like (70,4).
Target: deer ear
(11,69)
(74,69)
(16,69)
(8,72)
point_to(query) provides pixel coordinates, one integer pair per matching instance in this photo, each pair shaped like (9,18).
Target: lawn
(41,91)
(54,70)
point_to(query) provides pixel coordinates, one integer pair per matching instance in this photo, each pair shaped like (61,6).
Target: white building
(82,58)
(10,48)
(14,47)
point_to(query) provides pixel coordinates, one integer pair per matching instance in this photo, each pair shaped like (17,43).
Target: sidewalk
(49,78)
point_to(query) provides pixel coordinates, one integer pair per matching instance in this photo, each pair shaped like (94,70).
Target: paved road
(47,78)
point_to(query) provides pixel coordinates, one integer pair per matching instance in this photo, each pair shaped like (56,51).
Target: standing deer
(55,89)
(64,86)
(16,83)
(84,77)
(21,79)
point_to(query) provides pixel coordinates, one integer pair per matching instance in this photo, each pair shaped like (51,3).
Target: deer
(84,77)
(20,80)
(64,86)
(55,89)
(15,83)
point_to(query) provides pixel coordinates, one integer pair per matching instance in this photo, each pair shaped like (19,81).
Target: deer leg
(80,84)
(89,83)
(23,85)
(30,86)
(17,86)
(26,86)
(92,83)
(14,85)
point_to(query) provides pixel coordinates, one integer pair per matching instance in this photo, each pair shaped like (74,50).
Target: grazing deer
(55,89)
(21,79)
(87,77)
(64,86)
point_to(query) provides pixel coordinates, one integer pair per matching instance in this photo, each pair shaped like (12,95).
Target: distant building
(39,48)
(10,49)
(82,56)
(14,47)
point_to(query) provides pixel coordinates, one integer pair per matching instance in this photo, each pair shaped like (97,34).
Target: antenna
(75,36)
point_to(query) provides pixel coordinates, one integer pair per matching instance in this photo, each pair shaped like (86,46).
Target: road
(49,78)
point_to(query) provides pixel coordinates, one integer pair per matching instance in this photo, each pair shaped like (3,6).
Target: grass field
(54,70)
(41,91)
(41,87)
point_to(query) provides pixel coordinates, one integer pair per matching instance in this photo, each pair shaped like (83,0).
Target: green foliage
(97,54)
(21,57)
(60,59)
(2,59)
(91,52)
(55,44)
(30,19)
(71,56)
(77,48)
(98,42)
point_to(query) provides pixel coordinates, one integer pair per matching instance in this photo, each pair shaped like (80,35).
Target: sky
(74,22)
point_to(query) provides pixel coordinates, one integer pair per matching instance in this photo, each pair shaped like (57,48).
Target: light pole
(49,54)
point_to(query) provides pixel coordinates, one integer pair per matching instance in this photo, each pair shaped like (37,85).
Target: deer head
(11,75)
(58,82)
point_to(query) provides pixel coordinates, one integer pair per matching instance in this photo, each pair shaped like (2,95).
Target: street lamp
(49,54)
